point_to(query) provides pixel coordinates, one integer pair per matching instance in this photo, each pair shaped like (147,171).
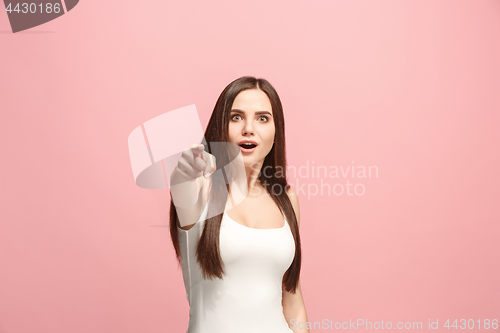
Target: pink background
(411,87)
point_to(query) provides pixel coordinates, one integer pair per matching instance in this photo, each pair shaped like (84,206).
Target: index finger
(197,150)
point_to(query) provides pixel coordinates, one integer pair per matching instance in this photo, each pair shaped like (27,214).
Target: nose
(248,128)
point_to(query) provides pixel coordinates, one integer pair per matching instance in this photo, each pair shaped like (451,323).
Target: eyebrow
(257,113)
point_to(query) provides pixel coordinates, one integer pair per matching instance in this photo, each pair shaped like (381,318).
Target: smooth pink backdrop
(411,87)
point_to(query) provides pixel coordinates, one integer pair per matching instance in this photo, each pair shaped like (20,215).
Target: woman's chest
(249,248)
(258,213)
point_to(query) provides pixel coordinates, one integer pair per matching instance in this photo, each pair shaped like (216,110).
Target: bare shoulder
(295,202)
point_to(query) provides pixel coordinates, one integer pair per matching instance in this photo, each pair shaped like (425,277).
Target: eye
(232,118)
(266,118)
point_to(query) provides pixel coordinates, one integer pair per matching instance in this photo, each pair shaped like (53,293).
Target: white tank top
(248,298)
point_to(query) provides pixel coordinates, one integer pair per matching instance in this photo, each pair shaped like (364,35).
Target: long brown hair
(208,252)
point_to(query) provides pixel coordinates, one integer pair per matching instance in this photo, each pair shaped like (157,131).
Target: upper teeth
(248,143)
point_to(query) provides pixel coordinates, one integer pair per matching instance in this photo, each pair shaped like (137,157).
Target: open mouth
(248,145)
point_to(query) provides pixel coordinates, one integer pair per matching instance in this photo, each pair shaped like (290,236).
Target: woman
(240,265)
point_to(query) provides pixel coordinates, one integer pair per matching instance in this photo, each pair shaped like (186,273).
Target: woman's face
(251,119)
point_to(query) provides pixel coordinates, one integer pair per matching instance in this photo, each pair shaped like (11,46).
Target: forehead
(252,100)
